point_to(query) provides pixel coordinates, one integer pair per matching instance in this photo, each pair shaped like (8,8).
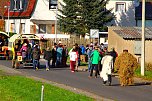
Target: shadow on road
(142,83)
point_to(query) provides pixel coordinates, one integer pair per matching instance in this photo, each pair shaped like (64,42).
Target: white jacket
(107,66)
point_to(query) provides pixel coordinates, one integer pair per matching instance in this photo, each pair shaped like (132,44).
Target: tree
(79,16)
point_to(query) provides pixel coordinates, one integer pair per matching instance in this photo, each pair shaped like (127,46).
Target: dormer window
(17,5)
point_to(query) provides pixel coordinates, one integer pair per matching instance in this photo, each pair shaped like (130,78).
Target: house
(130,38)
(129,12)
(33,17)
(30,16)
(124,11)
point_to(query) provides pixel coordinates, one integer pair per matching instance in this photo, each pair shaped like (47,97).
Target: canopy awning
(50,36)
(23,36)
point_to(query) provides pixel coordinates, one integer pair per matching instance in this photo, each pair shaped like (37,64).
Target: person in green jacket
(95,58)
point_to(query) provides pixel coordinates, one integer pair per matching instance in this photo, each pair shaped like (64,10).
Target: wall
(17,25)
(126,18)
(114,40)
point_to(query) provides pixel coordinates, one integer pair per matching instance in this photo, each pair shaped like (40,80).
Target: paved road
(140,92)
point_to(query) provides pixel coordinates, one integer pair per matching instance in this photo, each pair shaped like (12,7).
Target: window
(22,28)
(18,5)
(12,27)
(42,28)
(120,7)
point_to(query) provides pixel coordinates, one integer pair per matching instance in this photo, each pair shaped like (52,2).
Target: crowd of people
(100,60)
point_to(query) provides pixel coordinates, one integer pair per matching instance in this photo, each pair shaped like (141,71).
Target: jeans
(47,63)
(94,66)
(89,65)
(35,63)
(109,79)
(59,61)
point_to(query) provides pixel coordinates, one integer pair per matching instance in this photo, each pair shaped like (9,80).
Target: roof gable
(16,11)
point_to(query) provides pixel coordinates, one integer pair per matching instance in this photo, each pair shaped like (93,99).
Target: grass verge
(147,76)
(19,88)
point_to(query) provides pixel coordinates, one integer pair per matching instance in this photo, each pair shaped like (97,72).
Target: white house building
(129,12)
(34,16)
(30,16)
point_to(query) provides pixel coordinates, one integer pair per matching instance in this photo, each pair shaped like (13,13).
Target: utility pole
(8,8)
(143,40)
(56,23)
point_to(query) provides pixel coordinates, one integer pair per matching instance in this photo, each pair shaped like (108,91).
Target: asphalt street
(141,91)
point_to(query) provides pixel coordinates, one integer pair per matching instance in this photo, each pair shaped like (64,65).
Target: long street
(140,92)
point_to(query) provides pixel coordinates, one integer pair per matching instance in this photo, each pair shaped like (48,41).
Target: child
(73,57)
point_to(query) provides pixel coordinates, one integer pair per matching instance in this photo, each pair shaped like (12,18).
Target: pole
(8,19)
(143,39)
(56,23)
(42,92)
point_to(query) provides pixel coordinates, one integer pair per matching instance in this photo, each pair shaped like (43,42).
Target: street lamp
(53,4)
(8,7)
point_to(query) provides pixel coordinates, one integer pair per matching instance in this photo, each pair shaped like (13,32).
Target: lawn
(19,88)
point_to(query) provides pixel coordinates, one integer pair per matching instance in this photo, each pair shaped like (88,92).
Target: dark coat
(36,53)
(47,55)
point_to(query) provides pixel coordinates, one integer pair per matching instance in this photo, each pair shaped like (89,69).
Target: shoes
(37,68)
(90,76)
(72,71)
(76,70)
(47,69)
(95,77)
(109,83)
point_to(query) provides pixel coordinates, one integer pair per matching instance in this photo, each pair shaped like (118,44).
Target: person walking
(114,54)
(95,58)
(73,57)
(59,55)
(89,52)
(126,64)
(107,66)
(54,55)
(47,57)
(36,56)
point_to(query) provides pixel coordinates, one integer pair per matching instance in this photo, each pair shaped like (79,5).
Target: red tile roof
(23,14)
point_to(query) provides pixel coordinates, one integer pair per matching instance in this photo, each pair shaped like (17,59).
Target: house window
(33,29)
(22,28)
(42,28)
(120,7)
(18,5)
(12,29)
